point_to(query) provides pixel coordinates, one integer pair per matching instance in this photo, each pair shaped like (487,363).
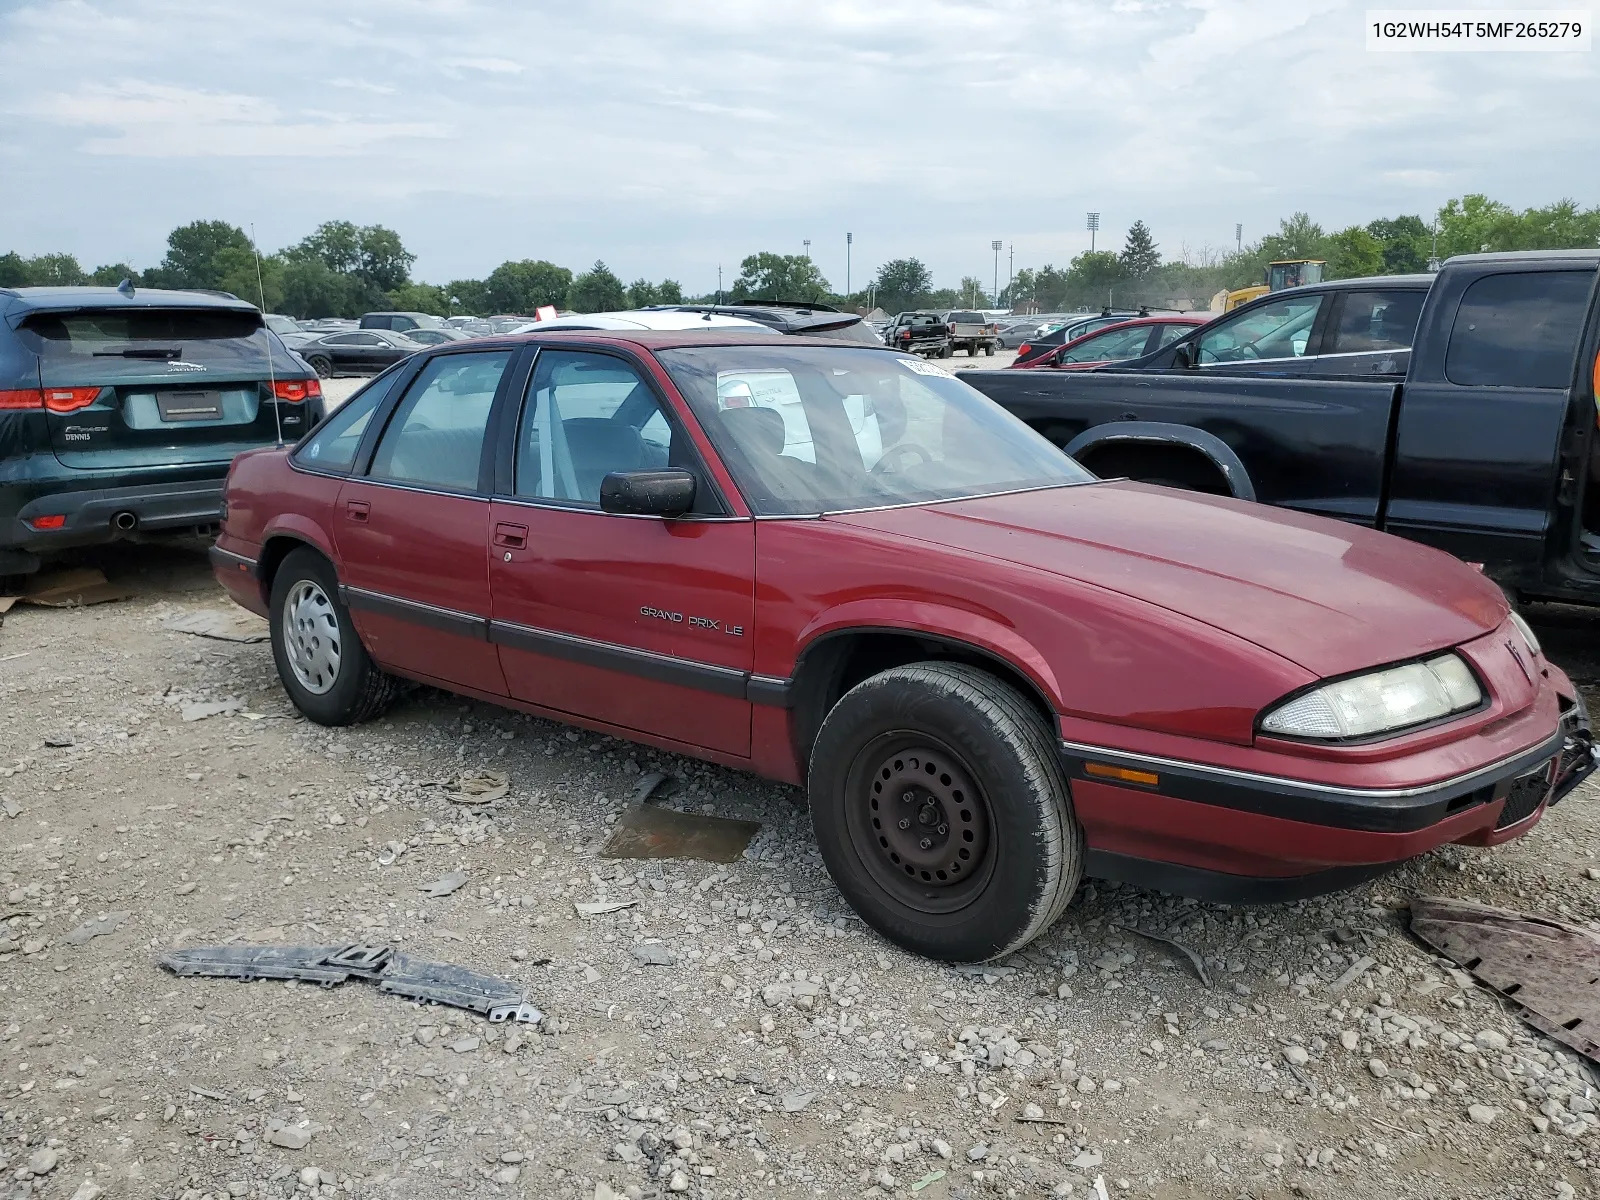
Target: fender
(300,528)
(1210,445)
(921,619)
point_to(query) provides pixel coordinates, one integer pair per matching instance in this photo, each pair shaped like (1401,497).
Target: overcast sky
(668,137)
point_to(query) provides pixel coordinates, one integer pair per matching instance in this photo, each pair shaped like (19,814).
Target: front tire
(942,812)
(321,662)
(321,365)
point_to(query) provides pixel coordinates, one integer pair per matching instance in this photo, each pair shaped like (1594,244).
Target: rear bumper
(105,514)
(1228,835)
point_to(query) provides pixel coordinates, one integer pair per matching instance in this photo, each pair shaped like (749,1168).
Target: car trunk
(159,386)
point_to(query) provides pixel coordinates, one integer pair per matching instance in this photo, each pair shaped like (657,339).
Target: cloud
(667,139)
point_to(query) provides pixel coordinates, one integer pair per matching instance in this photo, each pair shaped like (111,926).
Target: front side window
(1519,329)
(333,447)
(586,416)
(819,429)
(1376,321)
(1278,329)
(1109,346)
(435,438)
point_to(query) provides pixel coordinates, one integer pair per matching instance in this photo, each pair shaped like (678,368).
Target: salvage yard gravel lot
(733,1031)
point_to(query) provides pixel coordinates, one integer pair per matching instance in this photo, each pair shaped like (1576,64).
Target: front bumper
(97,515)
(1229,835)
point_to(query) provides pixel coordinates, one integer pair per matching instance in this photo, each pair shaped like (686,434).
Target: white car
(648,319)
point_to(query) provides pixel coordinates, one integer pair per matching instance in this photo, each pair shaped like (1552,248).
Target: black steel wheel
(942,812)
(322,365)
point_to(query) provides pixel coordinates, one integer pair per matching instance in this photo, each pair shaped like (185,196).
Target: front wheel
(942,812)
(321,662)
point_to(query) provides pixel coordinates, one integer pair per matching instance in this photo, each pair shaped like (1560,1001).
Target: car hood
(1328,596)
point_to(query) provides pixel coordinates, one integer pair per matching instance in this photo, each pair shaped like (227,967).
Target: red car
(1114,343)
(839,567)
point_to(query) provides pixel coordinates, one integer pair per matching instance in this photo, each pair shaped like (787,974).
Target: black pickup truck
(921,333)
(1477,434)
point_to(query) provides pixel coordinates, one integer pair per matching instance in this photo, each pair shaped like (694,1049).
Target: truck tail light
(905,335)
(296,391)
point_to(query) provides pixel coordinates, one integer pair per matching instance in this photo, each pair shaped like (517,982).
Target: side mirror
(1186,355)
(660,493)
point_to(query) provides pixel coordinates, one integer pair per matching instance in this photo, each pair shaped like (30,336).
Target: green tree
(1050,288)
(642,293)
(597,290)
(1352,253)
(335,244)
(1019,290)
(768,276)
(372,253)
(669,291)
(312,289)
(111,274)
(1140,254)
(1474,223)
(971,293)
(521,287)
(1405,243)
(1094,278)
(1559,226)
(192,251)
(236,272)
(902,284)
(1297,237)
(468,297)
(420,297)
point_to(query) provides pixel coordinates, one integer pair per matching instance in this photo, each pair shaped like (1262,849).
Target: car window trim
(420,362)
(504,477)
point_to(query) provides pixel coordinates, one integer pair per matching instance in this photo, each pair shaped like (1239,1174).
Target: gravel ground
(772,1047)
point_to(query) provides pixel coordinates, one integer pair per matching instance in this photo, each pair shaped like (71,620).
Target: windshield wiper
(162,353)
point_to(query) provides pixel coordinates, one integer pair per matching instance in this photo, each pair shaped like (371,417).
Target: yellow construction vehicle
(1288,273)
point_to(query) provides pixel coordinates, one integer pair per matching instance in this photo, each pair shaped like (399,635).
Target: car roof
(644,319)
(56,299)
(1421,282)
(654,339)
(1585,256)
(788,315)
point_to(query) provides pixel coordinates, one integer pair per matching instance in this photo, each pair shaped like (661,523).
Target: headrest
(755,430)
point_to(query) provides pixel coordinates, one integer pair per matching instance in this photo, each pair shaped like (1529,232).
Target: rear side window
(435,438)
(333,447)
(1374,321)
(1519,330)
(1278,330)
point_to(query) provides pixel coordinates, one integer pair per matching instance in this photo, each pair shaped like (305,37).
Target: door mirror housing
(655,493)
(1186,355)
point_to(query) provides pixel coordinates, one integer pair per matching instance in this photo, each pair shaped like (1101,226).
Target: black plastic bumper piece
(106,514)
(1219,887)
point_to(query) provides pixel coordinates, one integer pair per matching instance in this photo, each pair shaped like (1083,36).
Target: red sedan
(1115,343)
(841,568)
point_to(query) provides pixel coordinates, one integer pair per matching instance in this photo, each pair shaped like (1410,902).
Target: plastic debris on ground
(1543,968)
(236,625)
(393,971)
(477,787)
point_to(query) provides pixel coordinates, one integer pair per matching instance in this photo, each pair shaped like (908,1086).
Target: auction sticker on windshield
(923,367)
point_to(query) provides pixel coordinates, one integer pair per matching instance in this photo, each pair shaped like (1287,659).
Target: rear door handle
(357,510)
(512,537)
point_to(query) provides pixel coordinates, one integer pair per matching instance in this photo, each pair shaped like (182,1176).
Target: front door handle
(512,537)
(357,510)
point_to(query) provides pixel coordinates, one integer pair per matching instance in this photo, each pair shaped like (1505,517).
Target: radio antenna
(272,377)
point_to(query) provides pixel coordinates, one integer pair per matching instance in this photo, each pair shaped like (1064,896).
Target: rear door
(412,533)
(160,386)
(1478,439)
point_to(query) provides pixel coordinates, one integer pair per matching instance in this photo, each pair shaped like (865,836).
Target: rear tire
(942,812)
(946,352)
(321,661)
(321,365)
(988,348)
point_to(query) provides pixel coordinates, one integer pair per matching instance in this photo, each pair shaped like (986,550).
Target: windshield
(831,428)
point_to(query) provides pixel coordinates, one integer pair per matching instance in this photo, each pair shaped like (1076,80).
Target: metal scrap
(1355,971)
(393,971)
(647,831)
(1543,968)
(1195,960)
(477,787)
(445,884)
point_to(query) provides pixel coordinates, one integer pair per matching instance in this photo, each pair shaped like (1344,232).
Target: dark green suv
(121,409)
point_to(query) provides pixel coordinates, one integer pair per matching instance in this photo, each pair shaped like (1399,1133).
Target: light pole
(1433,257)
(806,242)
(848,238)
(995,246)
(1094,228)
(1238,236)
(1011,270)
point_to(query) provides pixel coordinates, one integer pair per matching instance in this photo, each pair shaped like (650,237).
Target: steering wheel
(889,461)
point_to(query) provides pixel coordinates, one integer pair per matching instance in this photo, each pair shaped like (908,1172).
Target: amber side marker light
(1121,774)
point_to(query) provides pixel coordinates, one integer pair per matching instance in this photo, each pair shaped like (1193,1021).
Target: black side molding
(720,681)
(1219,887)
(447,620)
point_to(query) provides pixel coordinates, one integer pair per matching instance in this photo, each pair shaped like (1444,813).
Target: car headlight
(1379,701)
(1526,631)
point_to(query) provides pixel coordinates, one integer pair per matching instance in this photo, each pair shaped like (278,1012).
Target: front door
(639,622)
(412,533)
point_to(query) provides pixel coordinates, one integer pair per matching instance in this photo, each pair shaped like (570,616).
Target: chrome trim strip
(217,552)
(596,510)
(1545,749)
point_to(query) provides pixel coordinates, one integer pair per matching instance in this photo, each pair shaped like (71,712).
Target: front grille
(1527,793)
